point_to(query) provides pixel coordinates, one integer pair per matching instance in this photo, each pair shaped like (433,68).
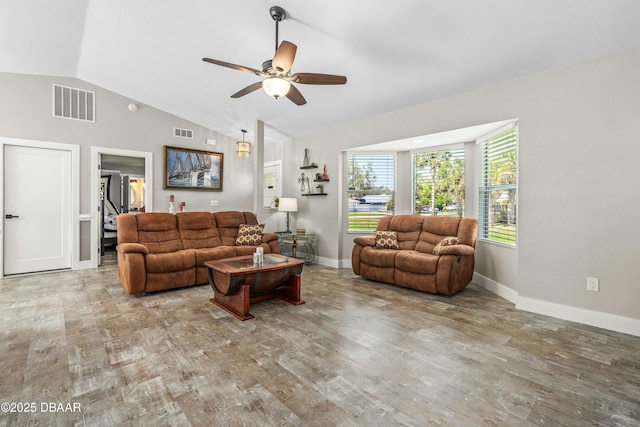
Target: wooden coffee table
(237,282)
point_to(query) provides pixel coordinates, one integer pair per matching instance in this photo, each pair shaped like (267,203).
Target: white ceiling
(394,54)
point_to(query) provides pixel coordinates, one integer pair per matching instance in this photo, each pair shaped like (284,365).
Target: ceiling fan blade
(247,90)
(233,66)
(318,79)
(295,96)
(283,59)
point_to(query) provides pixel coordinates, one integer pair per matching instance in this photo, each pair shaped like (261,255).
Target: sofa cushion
(386,240)
(249,235)
(447,241)
(158,231)
(212,254)
(170,262)
(378,257)
(228,223)
(198,230)
(416,262)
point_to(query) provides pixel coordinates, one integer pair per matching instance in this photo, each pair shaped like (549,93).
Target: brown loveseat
(413,264)
(158,251)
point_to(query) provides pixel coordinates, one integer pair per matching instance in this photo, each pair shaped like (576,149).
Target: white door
(37,209)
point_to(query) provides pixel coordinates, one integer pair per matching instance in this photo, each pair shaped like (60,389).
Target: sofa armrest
(268,237)
(271,242)
(365,240)
(127,248)
(457,250)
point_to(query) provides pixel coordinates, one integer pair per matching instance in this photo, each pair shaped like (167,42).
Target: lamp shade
(276,87)
(244,148)
(288,205)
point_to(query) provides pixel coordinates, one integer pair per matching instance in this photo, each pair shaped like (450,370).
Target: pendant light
(244,148)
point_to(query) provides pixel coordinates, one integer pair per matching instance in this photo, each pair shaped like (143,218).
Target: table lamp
(288,205)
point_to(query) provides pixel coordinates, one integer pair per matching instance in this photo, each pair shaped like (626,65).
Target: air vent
(183,133)
(73,103)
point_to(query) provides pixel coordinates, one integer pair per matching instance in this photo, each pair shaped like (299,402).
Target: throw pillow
(249,235)
(387,240)
(447,241)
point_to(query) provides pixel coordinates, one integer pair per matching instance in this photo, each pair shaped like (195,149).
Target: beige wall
(579,147)
(26,112)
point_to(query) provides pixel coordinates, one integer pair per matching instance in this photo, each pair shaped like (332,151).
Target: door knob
(9,216)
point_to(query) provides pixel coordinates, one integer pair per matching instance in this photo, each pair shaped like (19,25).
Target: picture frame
(190,169)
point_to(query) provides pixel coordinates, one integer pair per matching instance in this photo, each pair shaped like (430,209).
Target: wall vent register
(73,103)
(183,133)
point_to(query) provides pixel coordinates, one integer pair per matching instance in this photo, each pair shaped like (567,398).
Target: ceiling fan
(277,71)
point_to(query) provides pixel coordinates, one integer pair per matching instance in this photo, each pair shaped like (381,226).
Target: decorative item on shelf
(276,201)
(302,180)
(319,188)
(318,176)
(288,205)
(305,161)
(172,209)
(324,173)
(301,231)
(244,148)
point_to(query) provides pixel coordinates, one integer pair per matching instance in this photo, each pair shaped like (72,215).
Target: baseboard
(495,287)
(612,322)
(345,263)
(83,265)
(327,262)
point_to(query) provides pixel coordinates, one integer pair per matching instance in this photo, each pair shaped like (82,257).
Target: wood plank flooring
(358,353)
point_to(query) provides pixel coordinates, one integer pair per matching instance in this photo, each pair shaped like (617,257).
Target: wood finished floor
(358,353)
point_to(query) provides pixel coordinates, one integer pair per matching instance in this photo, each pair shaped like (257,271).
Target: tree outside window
(438,182)
(370,189)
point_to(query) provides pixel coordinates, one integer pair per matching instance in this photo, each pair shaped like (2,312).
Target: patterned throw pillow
(447,241)
(387,240)
(249,235)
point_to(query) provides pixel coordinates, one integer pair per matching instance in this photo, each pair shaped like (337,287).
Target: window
(497,195)
(370,189)
(438,182)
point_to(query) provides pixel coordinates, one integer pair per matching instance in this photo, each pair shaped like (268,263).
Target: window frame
(348,192)
(447,147)
(482,209)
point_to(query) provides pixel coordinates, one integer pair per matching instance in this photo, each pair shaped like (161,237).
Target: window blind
(497,193)
(370,189)
(438,182)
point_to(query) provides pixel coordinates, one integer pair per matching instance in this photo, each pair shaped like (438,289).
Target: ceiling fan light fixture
(243,148)
(276,86)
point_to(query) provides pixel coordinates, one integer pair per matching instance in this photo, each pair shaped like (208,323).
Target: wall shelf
(314,194)
(321,180)
(311,166)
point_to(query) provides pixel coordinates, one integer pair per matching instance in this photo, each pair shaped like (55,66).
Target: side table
(302,246)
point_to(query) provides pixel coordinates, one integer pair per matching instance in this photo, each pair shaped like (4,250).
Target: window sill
(496,243)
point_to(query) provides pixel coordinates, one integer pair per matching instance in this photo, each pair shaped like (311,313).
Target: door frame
(96,153)
(75,191)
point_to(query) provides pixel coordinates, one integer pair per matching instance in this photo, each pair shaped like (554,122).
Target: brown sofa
(413,264)
(158,251)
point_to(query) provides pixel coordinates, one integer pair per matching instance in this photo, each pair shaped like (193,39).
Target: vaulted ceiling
(394,54)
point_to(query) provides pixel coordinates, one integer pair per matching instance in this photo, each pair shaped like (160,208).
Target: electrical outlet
(592,284)
(214,203)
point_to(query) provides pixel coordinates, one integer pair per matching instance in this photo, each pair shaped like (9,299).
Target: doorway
(113,173)
(39,205)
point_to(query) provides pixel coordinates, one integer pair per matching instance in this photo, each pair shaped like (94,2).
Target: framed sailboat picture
(188,169)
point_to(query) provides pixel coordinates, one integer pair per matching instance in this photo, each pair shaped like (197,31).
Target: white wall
(579,146)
